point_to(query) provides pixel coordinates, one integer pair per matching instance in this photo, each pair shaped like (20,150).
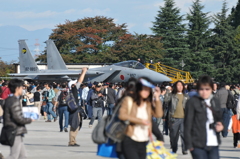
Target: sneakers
(55,119)
(65,129)
(48,121)
(90,126)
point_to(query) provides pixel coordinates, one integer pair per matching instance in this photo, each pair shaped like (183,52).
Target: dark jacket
(111,95)
(13,115)
(172,101)
(195,132)
(89,101)
(75,119)
(96,100)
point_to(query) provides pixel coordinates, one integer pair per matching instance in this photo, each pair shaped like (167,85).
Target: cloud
(33,27)
(51,14)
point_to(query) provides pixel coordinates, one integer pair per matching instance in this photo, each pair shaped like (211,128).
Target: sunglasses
(204,89)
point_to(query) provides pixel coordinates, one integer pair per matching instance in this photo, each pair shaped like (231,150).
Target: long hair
(139,87)
(175,91)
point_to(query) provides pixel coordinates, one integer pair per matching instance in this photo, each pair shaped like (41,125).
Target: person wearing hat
(140,118)
(75,118)
(97,99)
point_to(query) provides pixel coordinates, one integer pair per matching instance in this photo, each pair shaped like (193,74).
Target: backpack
(231,103)
(71,102)
(98,134)
(115,128)
(235,98)
(62,98)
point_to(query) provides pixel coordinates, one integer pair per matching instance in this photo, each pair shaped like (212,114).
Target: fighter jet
(57,70)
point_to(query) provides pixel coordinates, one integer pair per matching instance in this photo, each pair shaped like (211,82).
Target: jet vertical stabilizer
(27,62)
(54,59)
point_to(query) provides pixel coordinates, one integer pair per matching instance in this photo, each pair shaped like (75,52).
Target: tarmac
(44,141)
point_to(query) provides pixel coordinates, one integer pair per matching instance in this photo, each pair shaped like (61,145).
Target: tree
(198,60)
(235,16)
(131,47)
(169,25)
(84,39)
(225,48)
(5,68)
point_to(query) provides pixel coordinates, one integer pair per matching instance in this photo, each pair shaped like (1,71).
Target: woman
(202,122)
(140,118)
(176,104)
(29,96)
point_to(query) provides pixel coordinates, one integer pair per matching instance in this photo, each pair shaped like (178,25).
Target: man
(111,96)
(84,97)
(5,91)
(89,101)
(75,118)
(97,104)
(49,95)
(38,99)
(13,116)
(222,95)
(177,103)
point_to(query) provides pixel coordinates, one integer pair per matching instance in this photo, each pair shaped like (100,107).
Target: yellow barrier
(173,73)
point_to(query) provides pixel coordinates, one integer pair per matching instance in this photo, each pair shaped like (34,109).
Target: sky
(43,15)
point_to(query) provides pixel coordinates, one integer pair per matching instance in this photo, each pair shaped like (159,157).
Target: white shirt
(141,132)
(211,134)
(85,93)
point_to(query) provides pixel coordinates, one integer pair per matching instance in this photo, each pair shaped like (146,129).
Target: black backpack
(231,101)
(62,98)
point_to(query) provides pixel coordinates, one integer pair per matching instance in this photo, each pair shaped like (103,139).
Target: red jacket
(5,92)
(235,124)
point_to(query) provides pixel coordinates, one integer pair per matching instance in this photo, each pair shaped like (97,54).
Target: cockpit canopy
(130,64)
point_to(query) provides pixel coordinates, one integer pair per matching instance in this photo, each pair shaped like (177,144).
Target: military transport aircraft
(57,70)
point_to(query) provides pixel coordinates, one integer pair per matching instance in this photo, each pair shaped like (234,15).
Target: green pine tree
(169,25)
(226,51)
(235,16)
(199,59)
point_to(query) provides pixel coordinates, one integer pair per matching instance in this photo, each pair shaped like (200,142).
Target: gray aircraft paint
(27,63)
(119,72)
(52,57)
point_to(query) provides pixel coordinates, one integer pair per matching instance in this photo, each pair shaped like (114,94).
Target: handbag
(8,135)
(98,134)
(107,150)
(115,129)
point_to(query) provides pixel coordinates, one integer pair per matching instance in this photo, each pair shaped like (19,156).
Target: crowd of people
(183,110)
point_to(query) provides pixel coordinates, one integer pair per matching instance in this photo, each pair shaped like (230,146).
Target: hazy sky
(137,14)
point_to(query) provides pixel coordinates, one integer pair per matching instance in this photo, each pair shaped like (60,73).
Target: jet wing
(55,73)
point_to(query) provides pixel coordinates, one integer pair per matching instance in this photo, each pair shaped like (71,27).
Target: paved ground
(44,141)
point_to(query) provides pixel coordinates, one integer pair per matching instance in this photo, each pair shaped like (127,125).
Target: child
(235,125)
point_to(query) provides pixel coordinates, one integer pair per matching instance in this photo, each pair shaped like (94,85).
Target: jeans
(90,110)
(110,109)
(226,119)
(50,111)
(206,153)
(176,130)
(165,126)
(63,110)
(133,150)
(97,112)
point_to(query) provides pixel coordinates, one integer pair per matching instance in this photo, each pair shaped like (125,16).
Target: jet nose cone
(158,77)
